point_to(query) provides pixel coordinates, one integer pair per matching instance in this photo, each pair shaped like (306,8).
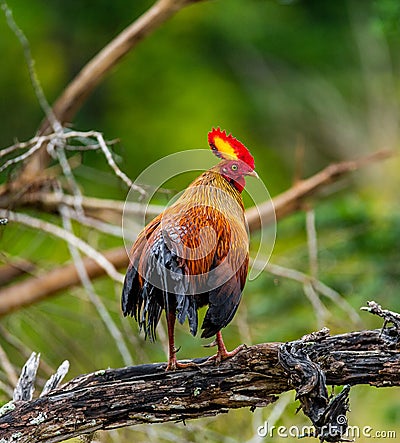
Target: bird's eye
(234,167)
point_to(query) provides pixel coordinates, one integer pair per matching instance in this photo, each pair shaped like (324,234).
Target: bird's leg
(222,353)
(173,364)
(171,342)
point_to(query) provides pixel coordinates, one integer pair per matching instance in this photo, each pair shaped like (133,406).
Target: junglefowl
(195,253)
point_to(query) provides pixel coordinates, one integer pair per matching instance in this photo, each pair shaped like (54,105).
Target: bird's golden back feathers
(206,222)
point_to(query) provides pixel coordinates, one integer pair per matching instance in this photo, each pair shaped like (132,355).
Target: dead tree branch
(13,269)
(95,70)
(293,199)
(58,232)
(147,394)
(108,209)
(58,279)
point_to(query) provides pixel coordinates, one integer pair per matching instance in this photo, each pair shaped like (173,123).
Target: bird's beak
(253,174)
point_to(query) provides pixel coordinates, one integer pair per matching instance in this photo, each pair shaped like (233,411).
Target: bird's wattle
(238,182)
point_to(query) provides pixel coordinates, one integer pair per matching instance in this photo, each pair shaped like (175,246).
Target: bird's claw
(173,365)
(224,355)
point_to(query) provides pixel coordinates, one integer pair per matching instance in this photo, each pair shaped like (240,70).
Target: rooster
(195,253)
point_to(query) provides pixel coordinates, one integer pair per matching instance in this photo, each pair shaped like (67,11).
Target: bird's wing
(230,268)
(139,298)
(214,245)
(178,256)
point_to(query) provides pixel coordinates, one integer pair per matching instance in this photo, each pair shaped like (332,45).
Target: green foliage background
(278,75)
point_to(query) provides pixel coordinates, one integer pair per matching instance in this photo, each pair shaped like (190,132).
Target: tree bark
(147,394)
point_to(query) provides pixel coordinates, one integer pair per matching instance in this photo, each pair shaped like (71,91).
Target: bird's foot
(223,354)
(174,364)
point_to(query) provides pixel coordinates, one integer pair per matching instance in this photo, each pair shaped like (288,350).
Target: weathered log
(147,394)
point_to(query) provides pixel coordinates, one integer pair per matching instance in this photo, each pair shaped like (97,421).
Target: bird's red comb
(228,147)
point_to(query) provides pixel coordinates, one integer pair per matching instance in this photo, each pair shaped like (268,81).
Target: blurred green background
(285,77)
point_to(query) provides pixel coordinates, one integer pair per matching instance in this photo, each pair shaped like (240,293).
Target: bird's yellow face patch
(225,148)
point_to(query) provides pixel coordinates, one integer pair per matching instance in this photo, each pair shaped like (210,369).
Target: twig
(49,201)
(88,147)
(26,382)
(100,226)
(31,68)
(23,349)
(13,269)
(338,299)
(320,310)
(93,73)
(293,199)
(54,381)
(94,298)
(312,246)
(59,153)
(312,242)
(82,136)
(58,279)
(8,367)
(25,155)
(61,233)
(109,158)
(388,316)
(56,144)
(113,165)
(10,149)
(317,285)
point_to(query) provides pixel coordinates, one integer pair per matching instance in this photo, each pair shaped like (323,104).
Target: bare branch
(338,299)
(13,268)
(20,158)
(147,394)
(56,144)
(58,279)
(49,201)
(51,118)
(312,242)
(293,199)
(54,381)
(26,383)
(388,316)
(320,309)
(94,298)
(100,226)
(93,73)
(317,285)
(8,367)
(61,233)
(113,165)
